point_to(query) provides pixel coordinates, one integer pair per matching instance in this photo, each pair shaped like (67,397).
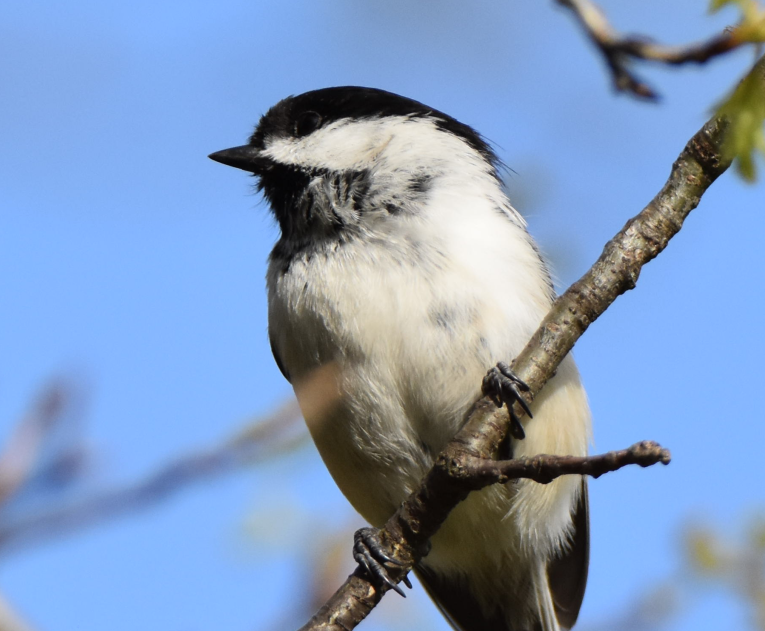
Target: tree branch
(455,474)
(406,533)
(617,50)
(545,468)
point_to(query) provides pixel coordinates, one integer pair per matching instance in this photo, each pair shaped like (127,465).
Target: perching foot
(370,554)
(503,386)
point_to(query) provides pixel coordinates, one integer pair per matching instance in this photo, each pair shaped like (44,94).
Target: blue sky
(130,260)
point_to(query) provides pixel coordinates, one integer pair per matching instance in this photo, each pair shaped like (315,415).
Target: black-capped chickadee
(402,275)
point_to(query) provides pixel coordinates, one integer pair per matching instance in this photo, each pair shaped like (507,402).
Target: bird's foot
(503,386)
(370,553)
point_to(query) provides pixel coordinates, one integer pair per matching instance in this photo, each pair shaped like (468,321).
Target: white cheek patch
(347,145)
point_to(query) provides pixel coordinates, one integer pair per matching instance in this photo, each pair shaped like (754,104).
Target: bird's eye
(306,123)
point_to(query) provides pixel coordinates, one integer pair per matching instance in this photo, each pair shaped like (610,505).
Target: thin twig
(618,50)
(545,468)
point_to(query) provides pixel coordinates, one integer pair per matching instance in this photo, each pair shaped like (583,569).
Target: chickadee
(402,275)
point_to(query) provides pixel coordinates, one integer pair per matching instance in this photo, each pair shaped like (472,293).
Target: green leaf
(716,5)
(745,111)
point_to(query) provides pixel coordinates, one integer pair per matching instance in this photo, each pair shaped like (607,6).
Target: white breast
(410,319)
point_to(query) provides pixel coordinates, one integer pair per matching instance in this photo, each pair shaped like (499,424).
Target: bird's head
(337,157)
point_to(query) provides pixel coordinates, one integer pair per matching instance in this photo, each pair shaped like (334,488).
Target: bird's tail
(548,620)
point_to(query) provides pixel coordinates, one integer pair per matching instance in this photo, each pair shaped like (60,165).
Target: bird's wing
(457,604)
(279,362)
(567,575)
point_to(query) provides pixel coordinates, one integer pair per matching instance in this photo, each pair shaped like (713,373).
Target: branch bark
(544,469)
(466,462)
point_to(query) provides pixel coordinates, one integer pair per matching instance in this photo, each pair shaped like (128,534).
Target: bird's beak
(245,157)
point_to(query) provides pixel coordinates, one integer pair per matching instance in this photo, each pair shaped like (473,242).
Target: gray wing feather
(456,603)
(278,359)
(567,575)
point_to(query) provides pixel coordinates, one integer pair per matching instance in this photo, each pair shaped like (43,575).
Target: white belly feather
(387,343)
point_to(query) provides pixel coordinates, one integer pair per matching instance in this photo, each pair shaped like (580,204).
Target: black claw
(369,539)
(502,386)
(394,587)
(516,428)
(369,552)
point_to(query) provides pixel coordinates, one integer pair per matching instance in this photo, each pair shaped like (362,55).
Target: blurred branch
(619,50)
(9,619)
(406,533)
(274,435)
(22,451)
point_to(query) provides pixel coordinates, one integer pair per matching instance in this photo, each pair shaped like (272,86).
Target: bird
(402,276)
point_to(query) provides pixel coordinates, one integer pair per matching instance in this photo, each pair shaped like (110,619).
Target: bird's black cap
(298,115)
